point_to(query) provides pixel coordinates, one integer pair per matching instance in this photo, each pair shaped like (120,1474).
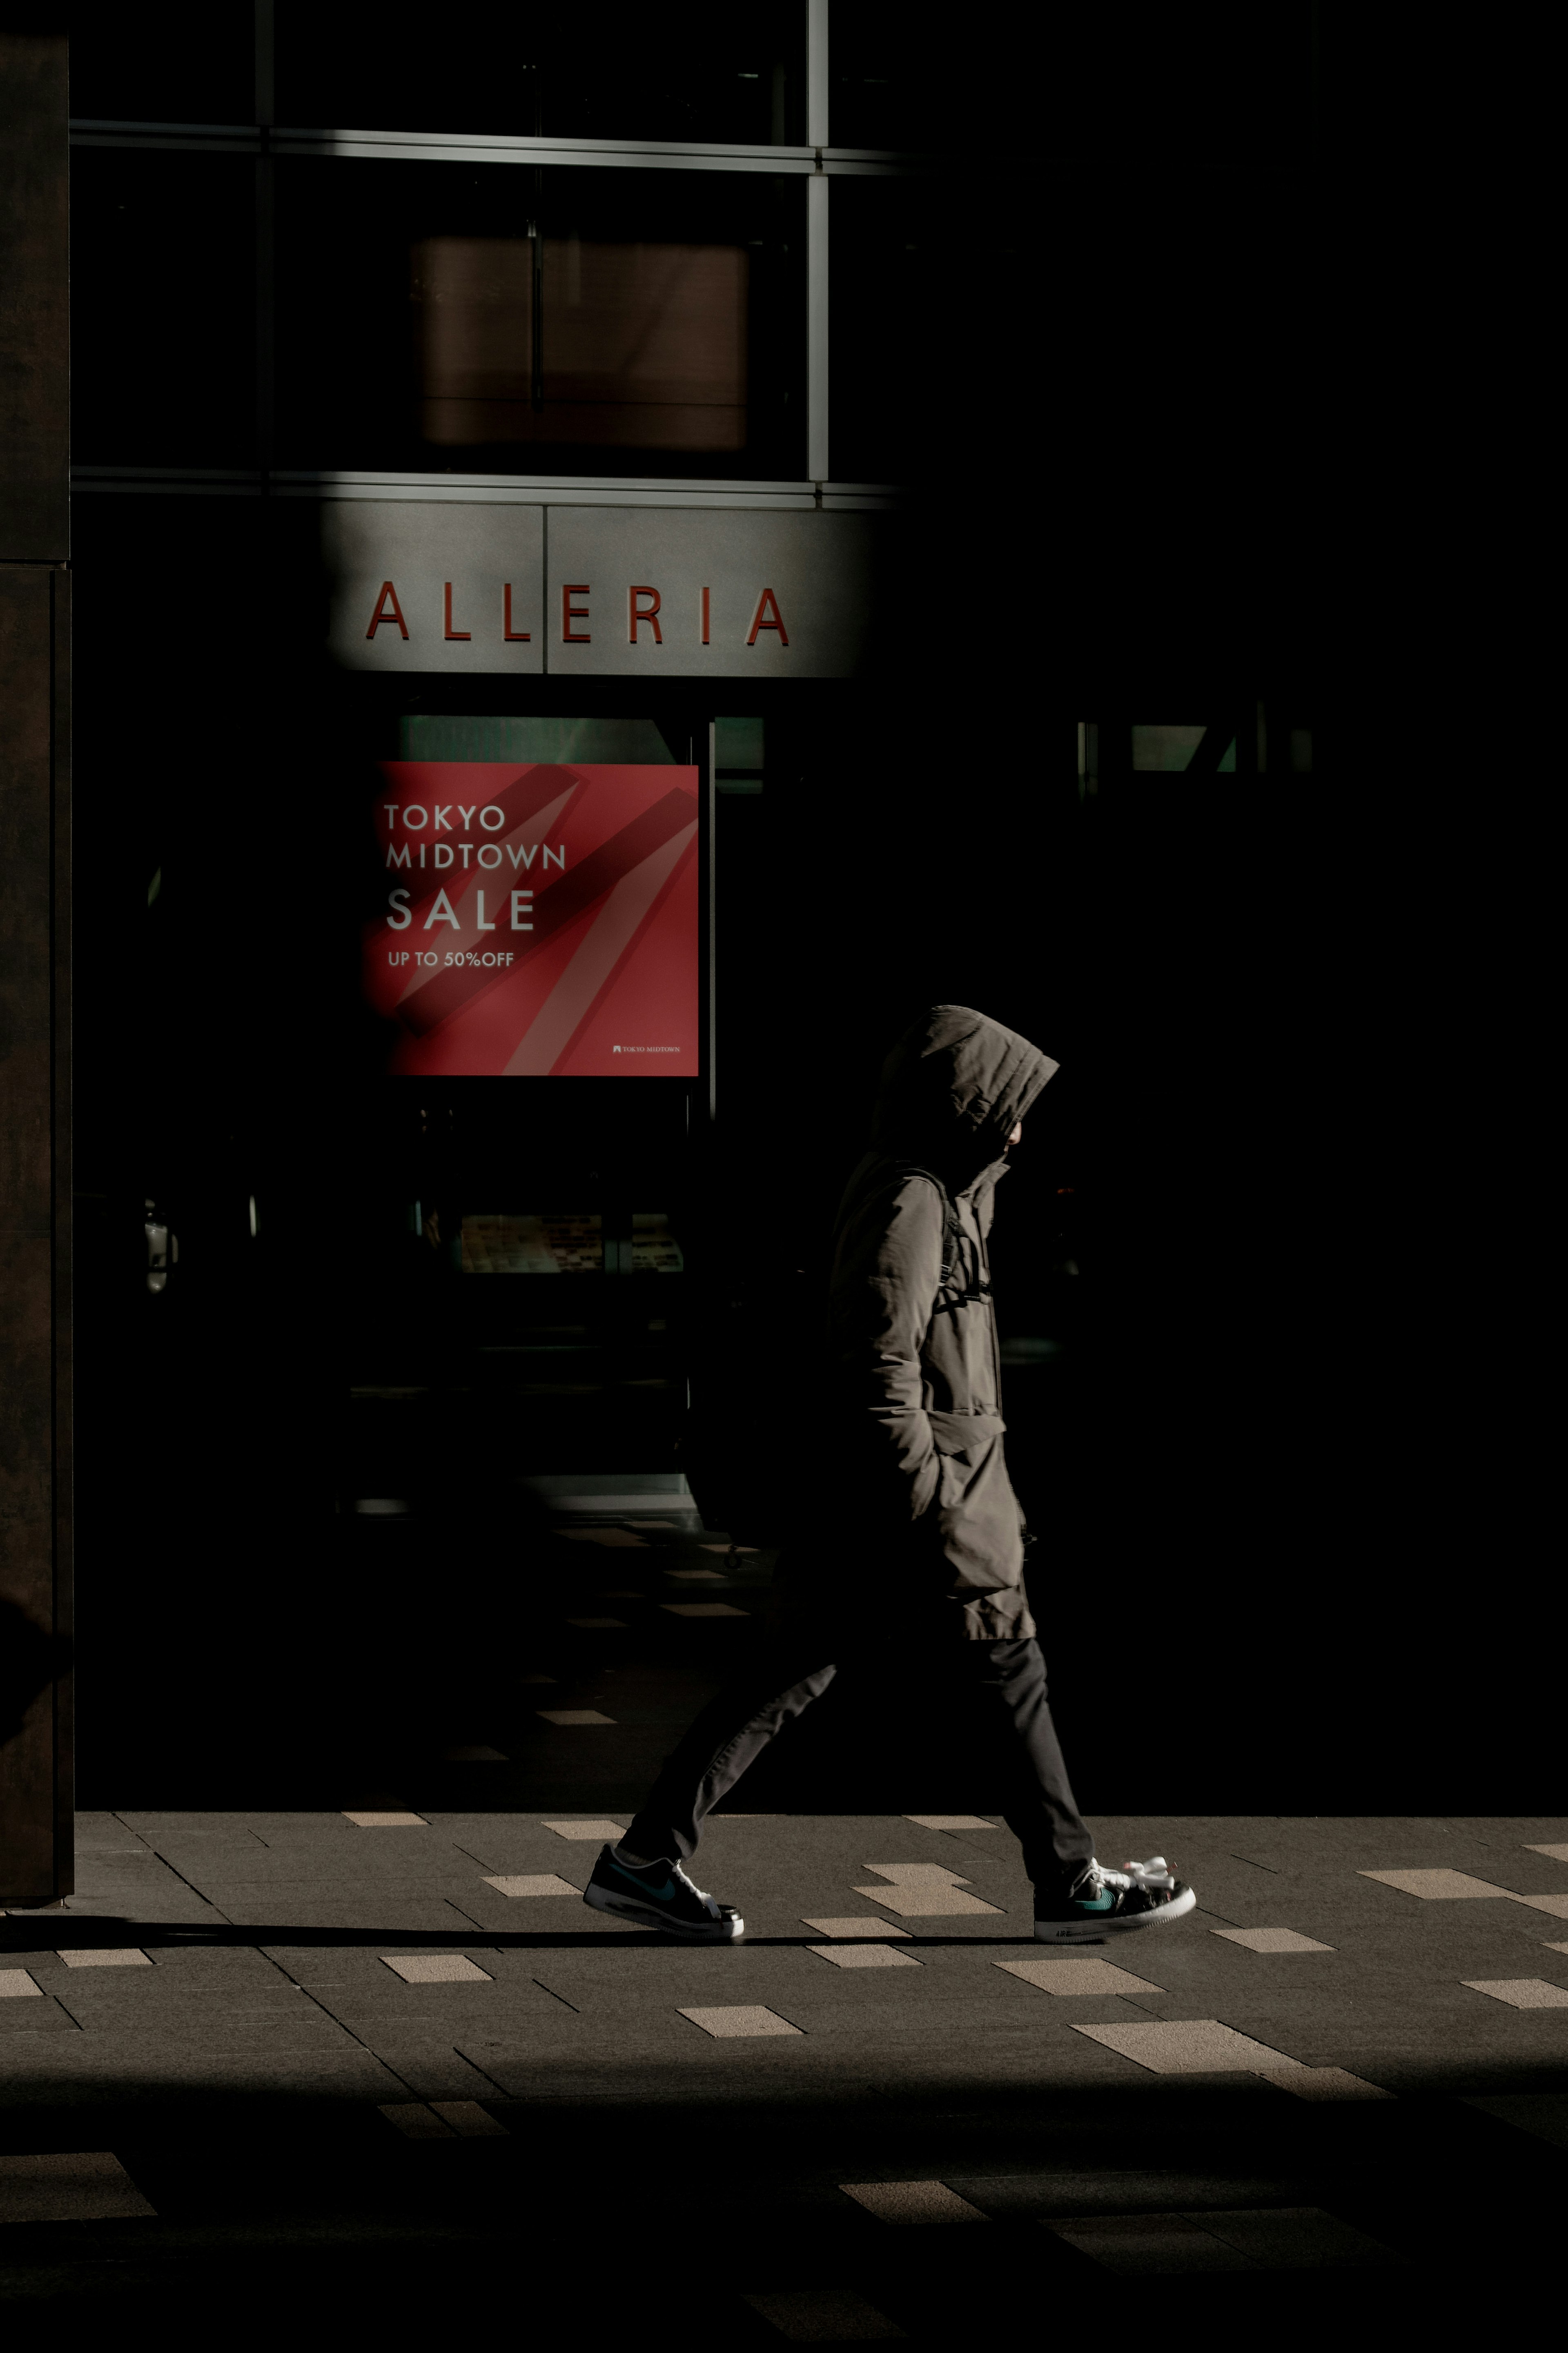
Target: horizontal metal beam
(485,490)
(450,147)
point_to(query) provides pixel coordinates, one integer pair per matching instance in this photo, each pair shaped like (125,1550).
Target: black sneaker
(661,1895)
(1104,1903)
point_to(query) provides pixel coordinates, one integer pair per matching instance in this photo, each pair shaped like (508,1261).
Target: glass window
(162,311)
(891,76)
(654,323)
(738,764)
(500,1243)
(653,1247)
(899,327)
(195,61)
(706,72)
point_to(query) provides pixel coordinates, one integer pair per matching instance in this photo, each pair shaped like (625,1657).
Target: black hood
(953,1089)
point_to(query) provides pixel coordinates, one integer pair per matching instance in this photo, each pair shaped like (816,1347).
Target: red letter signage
(378,617)
(765,603)
(635,613)
(452,634)
(570,613)
(512,636)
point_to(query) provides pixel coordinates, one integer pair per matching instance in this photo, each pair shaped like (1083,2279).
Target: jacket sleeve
(886,1275)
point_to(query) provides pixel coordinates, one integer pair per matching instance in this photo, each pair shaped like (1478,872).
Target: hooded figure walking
(928,1539)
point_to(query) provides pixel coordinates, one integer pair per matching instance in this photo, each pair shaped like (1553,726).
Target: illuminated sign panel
(653,592)
(536,921)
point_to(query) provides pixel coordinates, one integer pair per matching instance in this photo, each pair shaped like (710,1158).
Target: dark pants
(1006,1683)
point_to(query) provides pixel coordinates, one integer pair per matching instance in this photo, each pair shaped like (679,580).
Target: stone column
(36,1745)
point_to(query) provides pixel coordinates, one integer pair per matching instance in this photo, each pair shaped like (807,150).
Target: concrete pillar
(36,1748)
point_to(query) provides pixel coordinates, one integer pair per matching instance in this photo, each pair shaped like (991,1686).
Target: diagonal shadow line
(559,905)
(98,1930)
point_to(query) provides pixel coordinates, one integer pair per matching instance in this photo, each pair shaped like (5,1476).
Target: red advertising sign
(536,922)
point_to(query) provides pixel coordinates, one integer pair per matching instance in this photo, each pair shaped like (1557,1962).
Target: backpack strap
(953,1225)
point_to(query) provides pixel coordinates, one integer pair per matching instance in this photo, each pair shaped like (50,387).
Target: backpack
(759,1358)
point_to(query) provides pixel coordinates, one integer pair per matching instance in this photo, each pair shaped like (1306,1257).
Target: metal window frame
(818,162)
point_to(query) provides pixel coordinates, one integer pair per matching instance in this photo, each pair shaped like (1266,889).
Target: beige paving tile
(616,1539)
(17,1985)
(703,1610)
(596,1830)
(473,1754)
(534,1883)
(1149,2243)
(864,1956)
(1327,2083)
(918,1874)
(1558,1852)
(741,2018)
(618,1624)
(950,1822)
(699,1576)
(416,2121)
(861,1924)
(435,1968)
(1521,1993)
(912,2201)
(1556,1904)
(79,2186)
(573,1716)
(1440,1886)
(468,2120)
(106,1957)
(385,1822)
(1272,1940)
(824,2315)
(1555,1948)
(930,1902)
(1197,2046)
(1076,1973)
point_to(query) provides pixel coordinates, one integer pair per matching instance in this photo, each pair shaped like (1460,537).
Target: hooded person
(915,1533)
(928,1526)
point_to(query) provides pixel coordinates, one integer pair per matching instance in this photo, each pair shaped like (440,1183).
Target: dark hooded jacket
(928,1529)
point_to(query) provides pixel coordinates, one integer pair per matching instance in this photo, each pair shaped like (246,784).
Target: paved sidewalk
(249,2032)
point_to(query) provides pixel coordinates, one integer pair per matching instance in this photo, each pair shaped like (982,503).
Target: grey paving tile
(17,2024)
(1544,2114)
(388,1915)
(432,2071)
(72,2068)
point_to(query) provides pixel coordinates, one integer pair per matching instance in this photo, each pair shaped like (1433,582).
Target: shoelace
(1155,1873)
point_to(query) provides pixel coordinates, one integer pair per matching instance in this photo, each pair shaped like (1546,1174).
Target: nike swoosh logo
(656,1895)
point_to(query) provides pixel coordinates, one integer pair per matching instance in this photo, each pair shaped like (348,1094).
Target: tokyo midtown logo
(645,1049)
(615,1049)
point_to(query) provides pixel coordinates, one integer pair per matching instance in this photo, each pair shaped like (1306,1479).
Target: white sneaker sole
(1095,1932)
(648,1915)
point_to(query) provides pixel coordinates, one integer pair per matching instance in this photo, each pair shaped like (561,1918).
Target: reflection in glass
(643,345)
